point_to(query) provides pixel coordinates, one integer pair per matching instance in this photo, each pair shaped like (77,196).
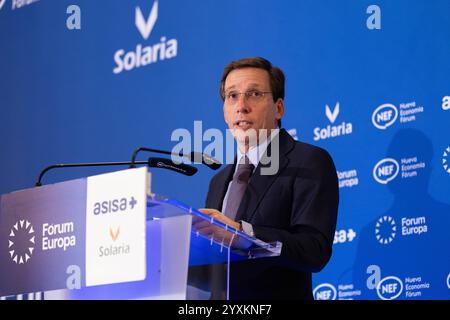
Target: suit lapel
(259,184)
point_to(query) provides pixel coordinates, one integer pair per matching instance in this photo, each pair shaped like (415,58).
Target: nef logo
(386,170)
(389,288)
(325,291)
(21,241)
(115,205)
(384,116)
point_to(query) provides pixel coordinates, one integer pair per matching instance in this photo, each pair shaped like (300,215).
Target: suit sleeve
(307,243)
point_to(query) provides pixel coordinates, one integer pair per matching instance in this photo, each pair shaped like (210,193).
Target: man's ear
(279,105)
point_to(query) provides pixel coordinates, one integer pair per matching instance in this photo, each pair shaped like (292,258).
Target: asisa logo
(384,116)
(21,242)
(386,170)
(114,205)
(325,291)
(389,288)
(332,131)
(144,55)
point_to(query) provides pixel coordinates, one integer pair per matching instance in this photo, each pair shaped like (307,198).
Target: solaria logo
(384,116)
(145,54)
(21,241)
(385,230)
(332,130)
(114,248)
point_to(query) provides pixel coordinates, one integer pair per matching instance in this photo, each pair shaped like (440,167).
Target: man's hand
(205,228)
(216,214)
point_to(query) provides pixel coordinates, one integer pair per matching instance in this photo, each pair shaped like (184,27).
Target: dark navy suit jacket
(298,207)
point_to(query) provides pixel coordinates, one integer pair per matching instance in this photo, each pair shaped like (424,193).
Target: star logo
(21,242)
(385,230)
(445,160)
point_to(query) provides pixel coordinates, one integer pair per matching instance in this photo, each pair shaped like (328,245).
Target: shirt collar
(255,154)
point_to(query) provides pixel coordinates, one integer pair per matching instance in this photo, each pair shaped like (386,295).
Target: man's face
(246,113)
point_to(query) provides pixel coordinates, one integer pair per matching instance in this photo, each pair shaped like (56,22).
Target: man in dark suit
(295,204)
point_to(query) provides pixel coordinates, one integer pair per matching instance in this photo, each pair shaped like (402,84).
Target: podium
(109,237)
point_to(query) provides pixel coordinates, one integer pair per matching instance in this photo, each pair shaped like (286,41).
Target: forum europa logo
(21,241)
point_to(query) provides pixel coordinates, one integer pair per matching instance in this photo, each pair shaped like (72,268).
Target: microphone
(151,162)
(170,165)
(194,156)
(206,159)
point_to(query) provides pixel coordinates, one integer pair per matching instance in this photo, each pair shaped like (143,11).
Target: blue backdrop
(366,80)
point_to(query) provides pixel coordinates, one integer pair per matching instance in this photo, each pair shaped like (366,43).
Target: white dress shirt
(254,155)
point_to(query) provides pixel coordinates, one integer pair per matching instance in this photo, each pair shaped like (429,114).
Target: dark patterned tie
(238,186)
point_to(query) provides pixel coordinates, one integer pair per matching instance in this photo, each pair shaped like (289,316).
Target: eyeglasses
(251,96)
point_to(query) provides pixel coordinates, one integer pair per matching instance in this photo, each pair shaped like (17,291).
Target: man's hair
(276,75)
